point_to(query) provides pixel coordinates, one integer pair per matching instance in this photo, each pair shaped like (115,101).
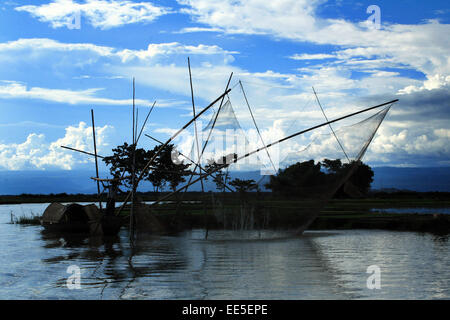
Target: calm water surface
(318,265)
(413,210)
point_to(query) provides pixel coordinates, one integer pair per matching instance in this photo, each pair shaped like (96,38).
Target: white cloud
(281,18)
(104,14)
(435,82)
(44,46)
(410,143)
(16,90)
(37,153)
(318,56)
(173,48)
(198,29)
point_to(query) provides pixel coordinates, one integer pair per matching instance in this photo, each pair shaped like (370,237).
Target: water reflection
(186,267)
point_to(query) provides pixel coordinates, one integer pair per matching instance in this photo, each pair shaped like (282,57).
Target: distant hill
(78,181)
(45,182)
(414,179)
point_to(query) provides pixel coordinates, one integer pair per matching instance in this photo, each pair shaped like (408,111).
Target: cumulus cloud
(103,14)
(37,153)
(173,48)
(416,131)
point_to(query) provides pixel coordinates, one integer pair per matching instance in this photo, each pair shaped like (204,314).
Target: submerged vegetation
(32,219)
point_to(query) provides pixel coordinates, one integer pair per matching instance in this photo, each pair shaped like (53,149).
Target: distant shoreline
(195,195)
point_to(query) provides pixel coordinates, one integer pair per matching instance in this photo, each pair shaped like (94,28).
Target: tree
(243,186)
(362,178)
(332,166)
(168,171)
(297,180)
(305,179)
(219,177)
(162,170)
(121,162)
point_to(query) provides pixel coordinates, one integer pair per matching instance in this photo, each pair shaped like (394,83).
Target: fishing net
(275,177)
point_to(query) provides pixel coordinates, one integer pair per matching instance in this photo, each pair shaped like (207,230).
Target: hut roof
(56,211)
(53,213)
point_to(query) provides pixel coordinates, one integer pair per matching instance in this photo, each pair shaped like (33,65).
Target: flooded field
(318,265)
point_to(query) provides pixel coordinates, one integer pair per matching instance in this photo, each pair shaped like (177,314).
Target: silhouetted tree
(305,179)
(121,162)
(219,177)
(297,180)
(332,166)
(362,178)
(162,171)
(167,170)
(243,186)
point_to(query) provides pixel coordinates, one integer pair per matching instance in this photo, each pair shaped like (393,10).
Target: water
(319,265)
(413,210)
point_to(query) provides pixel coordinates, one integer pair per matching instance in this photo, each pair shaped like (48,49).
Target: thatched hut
(72,218)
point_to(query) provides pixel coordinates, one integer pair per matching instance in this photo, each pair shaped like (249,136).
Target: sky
(60,59)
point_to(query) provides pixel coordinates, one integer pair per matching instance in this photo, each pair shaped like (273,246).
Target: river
(318,265)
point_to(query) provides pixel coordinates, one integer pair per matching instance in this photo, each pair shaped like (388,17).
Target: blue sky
(52,74)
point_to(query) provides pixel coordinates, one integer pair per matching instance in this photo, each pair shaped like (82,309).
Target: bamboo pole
(145,122)
(133,168)
(326,118)
(85,152)
(96,162)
